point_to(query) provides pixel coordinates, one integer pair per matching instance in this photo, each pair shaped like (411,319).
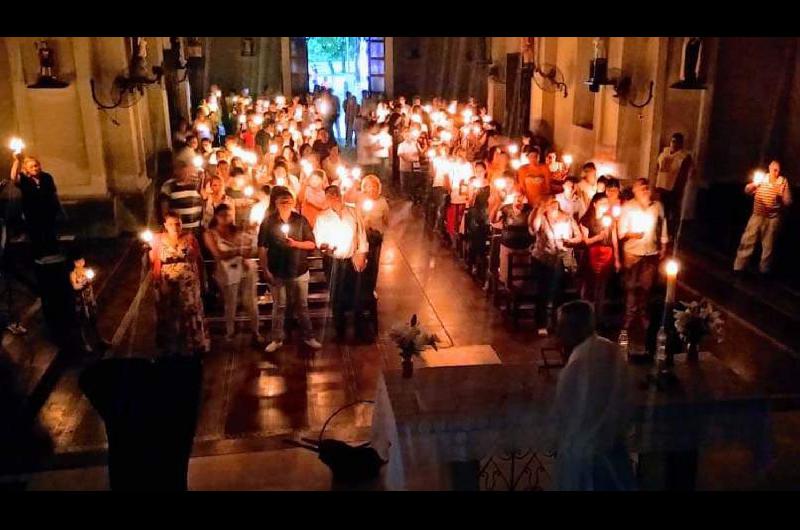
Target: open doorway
(346,64)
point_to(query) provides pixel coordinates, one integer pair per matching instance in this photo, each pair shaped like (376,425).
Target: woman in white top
(235,274)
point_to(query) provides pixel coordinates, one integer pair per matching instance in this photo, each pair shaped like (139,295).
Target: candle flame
(248,191)
(672,267)
(17,145)
(90,274)
(146,236)
(197,160)
(368,205)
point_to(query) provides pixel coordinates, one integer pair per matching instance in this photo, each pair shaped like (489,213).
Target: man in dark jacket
(40,204)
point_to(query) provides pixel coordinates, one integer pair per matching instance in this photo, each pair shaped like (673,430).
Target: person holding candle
(215,195)
(534,178)
(375,212)
(555,235)
(408,155)
(177,269)
(341,235)
(477,219)
(642,229)
(313,197)
(85,305)
(568,199)
(771,197)
(601,258)
(457,185)
(513,220)
(41,206)
(232,248)
(285,240)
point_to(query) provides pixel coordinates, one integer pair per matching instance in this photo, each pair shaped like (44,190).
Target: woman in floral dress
(177,266)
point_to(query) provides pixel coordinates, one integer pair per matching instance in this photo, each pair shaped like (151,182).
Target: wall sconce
(125,87)
(599,76)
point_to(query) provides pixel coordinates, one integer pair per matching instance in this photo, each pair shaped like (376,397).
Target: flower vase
(408,367)
(693,350)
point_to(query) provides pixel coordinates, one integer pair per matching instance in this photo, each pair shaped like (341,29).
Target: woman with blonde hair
(374,210)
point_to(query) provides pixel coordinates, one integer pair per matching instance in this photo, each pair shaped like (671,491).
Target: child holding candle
(85,305)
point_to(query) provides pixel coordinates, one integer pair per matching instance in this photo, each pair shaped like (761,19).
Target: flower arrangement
(411,339)
(697,320)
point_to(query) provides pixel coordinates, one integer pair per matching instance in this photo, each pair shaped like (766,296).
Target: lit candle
(273,149)
(258,119)
(513,149)
(414,134)
(616,210)
(516,164)
(510,198)
(453,107)
(671,268)
(17,145)
(561,230)
(257,212)
(242,119)
(431,153)
(428,108)
(280,181)
(356,173)
(248,191)
(280,101)
(90,274)
(446,136)
(368,205)
(567,160)
(341,171)
(606,220)
(213,159)
(487,119)
(197,160)
(500,184)
(285,229)
(759,177)
(146,236)
(306,166)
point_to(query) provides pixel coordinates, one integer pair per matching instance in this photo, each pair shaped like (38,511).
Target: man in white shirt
(643,233)
(674,166)
(592,407)
(408,154)
(340,234)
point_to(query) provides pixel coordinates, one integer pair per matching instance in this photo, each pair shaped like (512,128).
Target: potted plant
(412,341)
(694,322)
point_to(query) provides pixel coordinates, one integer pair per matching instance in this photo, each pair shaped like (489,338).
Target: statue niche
(47,67)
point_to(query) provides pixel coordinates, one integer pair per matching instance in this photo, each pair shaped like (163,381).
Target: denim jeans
(295,292)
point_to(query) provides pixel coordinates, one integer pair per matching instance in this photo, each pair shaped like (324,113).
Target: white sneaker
(273,346)
(542,332)
(313,344)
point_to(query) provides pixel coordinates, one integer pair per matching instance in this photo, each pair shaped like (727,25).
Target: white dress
(592,416)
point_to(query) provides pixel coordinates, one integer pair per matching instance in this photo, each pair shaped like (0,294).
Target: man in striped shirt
(772,196)
(181,194)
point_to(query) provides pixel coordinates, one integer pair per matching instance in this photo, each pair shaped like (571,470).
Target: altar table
(447,415)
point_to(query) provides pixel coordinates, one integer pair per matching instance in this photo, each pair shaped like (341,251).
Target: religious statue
(528,49)
(690,64)
(47,63)
(139,60)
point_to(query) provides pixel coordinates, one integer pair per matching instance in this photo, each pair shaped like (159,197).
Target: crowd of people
(494,198)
